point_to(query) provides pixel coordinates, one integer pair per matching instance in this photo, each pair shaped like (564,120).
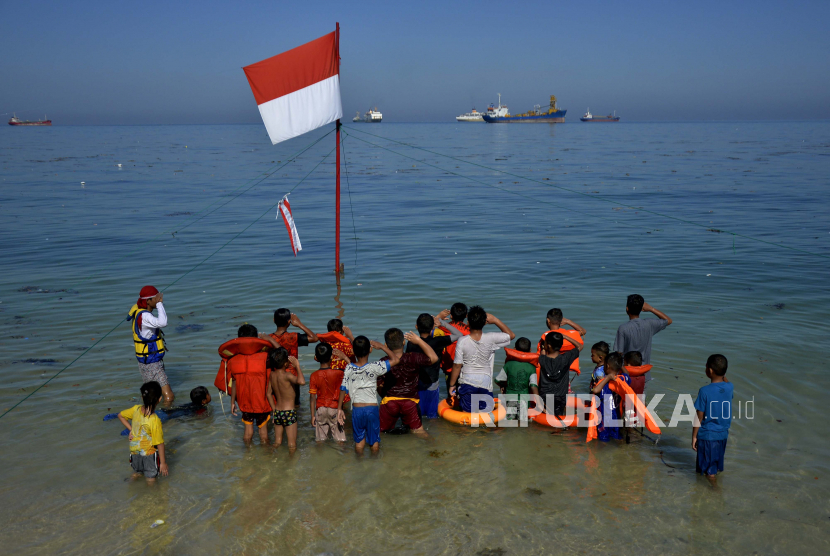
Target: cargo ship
(588,117)
(17,121)
(499,114)
(371,117)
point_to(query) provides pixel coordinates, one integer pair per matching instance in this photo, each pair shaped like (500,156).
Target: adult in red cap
(149,338)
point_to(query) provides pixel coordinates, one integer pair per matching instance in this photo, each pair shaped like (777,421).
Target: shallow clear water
(76,254)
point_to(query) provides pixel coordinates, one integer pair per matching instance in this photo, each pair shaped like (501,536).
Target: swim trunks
(326,425)
(285,418)
(366,424)
(258,419)
(408,411)
(149,465)
(153,372)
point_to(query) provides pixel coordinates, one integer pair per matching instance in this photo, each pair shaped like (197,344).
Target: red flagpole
(337,188)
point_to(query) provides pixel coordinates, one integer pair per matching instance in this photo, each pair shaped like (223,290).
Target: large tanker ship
(17,121)
(500,114)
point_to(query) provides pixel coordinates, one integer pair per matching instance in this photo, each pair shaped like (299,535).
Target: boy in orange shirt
(340,338)
(324,389)
(292,341)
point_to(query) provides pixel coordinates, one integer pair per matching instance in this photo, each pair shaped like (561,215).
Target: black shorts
(258,419)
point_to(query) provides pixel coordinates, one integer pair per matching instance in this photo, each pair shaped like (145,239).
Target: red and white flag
(288,218)
(299,90)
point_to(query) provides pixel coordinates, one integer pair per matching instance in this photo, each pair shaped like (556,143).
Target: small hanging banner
(288,218)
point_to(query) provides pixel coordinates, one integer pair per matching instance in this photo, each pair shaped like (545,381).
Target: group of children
(262,375)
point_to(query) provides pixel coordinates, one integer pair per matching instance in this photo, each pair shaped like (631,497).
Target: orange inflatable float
(251,350)
(523,356)
(473,419)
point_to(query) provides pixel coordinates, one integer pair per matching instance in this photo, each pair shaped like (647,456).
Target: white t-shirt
(477,358)
(150,323)
(502,377)
(361,383)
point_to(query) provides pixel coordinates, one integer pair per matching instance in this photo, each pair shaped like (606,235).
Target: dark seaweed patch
(189,327)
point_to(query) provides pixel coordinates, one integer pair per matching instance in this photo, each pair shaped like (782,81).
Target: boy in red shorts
(400,399)
(324,389)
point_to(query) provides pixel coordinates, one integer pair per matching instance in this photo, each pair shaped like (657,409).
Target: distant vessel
(500,114)
(370,117)
(588,117)
(17,121)
(474,116)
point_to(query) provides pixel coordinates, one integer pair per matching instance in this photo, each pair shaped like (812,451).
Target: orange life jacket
(637,371)
(628,396)
(449,353)
(239,354)
(566,346)
(338,341)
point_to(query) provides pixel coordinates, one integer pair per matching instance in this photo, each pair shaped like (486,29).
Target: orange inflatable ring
(562,421)
(473,419)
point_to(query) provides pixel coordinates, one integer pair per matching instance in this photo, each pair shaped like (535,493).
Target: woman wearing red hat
(149,339)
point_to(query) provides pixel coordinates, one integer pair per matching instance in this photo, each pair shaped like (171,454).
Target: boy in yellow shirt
(146,438)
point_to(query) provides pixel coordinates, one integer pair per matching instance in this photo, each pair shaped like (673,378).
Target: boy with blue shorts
(360,382)
(714,415)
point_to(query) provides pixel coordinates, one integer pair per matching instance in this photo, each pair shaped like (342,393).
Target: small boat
(588,117)
(17,121)
(473,116)
(370,117)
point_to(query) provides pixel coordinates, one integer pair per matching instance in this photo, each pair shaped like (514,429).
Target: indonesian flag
(299,90)
(288,218)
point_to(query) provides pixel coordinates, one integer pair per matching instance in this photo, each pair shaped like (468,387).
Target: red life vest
(237,355)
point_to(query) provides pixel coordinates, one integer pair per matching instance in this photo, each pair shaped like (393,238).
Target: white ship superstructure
(373,116)
(474,116)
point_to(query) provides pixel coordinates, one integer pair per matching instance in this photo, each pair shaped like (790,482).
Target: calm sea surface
(91,214)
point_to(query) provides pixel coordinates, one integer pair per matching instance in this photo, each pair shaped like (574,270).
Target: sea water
(723,226)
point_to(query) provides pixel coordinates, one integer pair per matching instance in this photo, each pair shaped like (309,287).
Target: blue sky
(180,62)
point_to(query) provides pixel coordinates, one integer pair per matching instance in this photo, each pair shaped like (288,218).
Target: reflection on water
(424,239)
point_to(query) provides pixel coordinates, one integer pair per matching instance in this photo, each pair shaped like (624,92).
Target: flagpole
(337,268)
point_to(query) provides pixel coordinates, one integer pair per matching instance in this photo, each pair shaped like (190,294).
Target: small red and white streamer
(288,218)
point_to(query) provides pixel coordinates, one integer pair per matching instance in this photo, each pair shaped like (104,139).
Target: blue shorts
(366,424)
(429,403)
(710,454)
(465,400)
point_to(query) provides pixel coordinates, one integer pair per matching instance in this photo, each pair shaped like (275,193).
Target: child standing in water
(518,378)
(599,351)
(283,381)
(714,415)
(292,341)
(609,403)
(360,381)
(324,389)
(146,438)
